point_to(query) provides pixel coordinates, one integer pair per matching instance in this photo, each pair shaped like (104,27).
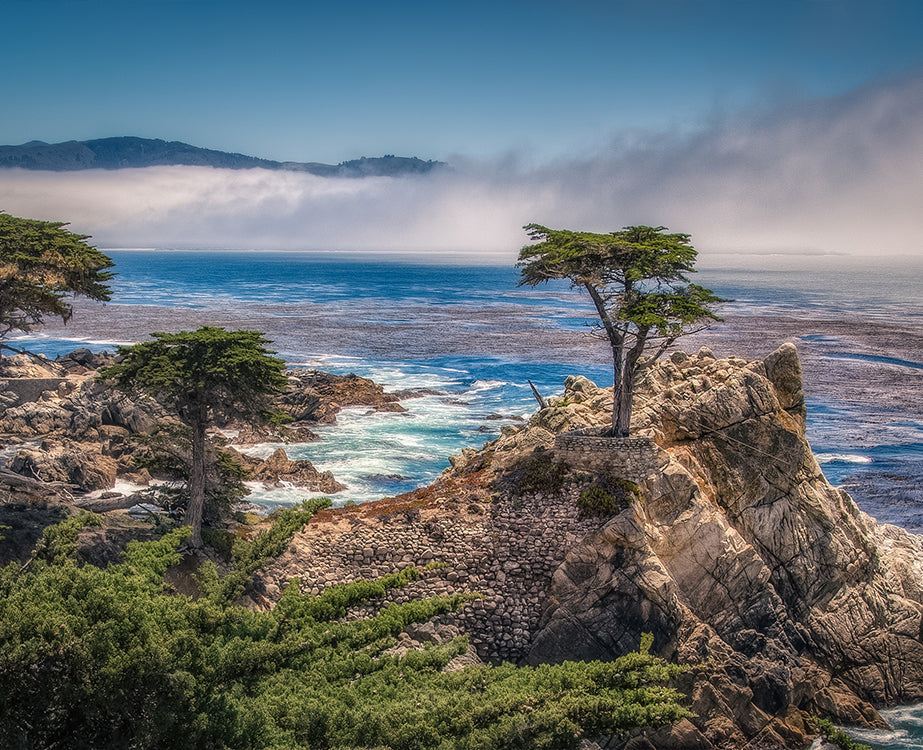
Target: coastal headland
(734,551)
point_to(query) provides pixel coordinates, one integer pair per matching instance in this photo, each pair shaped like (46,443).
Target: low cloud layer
(831,176)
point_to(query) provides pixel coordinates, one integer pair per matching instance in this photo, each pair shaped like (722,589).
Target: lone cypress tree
(637,281)
(200,376)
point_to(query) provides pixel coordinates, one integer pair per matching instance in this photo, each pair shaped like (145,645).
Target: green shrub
(539,472)
(595,501)
(625,485)
(608,498)
(251,556)
(837,736)
(93,657)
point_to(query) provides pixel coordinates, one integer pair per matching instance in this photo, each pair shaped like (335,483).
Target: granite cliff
(727,544)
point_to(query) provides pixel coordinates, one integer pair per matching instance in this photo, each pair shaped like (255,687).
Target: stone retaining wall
(506,550)
(629,458)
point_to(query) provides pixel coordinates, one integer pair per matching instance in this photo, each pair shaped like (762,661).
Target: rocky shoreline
(68,440)
(848,358)
(735,553)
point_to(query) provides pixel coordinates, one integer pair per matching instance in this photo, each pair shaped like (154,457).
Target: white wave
(270,498)
(41,336)
(123,488)
(487,385)
(907,732)
(846,458)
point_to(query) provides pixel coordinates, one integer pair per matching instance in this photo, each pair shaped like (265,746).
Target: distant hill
(126,151)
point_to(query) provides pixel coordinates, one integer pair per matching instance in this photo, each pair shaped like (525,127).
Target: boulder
(67,462)
(279,468)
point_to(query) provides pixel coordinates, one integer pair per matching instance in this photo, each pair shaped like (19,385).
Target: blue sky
(757,127)
(330,81)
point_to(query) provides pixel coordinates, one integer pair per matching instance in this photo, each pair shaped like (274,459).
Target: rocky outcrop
(70,463)
(736,554)
(315,396)
(279,469)
(78,411)
(78,433)
(740,552)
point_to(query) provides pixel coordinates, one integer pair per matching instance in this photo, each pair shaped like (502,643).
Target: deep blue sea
(473,336)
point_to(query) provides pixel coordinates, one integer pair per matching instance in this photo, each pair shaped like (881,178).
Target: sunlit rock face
(736,553)
(740,552)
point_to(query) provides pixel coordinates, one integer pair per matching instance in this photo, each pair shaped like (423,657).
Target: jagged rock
(783,368)
(25,366)
(78,409)
(66,462)
(280,468)
(82,361)
(36,418)
(741,552)
(316,396)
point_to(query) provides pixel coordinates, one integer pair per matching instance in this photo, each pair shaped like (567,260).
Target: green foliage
(596,501)
(269,543)
(638,281)
(202,376)
(59,541)
(837,736)
(611,496)
(539,472)
(41,263)
(93,657)
(209,369)
(625,485)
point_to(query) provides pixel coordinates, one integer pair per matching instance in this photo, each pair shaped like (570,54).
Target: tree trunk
(624,386)
(618,385)
(616,338)
(621,425)
(197,480)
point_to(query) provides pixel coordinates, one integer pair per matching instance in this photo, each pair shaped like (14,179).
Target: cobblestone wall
(628,458)
(507,550)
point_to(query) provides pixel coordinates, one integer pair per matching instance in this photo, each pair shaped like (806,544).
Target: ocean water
(906,731)
(470,334)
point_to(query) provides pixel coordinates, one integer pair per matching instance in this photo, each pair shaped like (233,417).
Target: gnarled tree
(41,263)
(201,376)
(637,281)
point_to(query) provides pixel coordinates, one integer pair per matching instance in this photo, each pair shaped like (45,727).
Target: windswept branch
(637,280)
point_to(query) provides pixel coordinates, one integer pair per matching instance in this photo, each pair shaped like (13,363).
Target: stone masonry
(505,549)
(633,459)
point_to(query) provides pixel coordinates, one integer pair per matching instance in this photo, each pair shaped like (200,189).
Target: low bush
(837,736)
(107,657)
(609,497)
(539,472)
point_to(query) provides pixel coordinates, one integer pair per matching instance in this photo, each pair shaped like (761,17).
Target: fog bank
(829,176)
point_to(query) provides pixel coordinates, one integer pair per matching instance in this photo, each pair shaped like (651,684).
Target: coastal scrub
(112,657)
